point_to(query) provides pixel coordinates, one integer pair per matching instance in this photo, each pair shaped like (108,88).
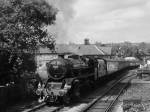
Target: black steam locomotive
(71,67)
(66,76)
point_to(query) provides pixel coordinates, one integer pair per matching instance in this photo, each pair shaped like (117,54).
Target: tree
(22,28)
(22,23)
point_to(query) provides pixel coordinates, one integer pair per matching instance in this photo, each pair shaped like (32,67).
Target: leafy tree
(125,50)
(22,22)
(22,28)
(148,50)
(115,50)
(142,45)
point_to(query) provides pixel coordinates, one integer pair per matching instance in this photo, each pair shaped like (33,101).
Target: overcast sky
(104,20)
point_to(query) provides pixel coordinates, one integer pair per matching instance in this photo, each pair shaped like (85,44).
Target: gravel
(138,90)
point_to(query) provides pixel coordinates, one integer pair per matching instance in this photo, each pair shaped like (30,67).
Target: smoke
(63,18)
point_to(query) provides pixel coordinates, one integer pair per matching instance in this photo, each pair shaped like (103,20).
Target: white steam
(63,18)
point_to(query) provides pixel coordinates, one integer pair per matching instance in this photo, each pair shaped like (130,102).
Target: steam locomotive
(64,77)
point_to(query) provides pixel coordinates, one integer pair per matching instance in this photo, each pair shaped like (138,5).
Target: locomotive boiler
(72,66)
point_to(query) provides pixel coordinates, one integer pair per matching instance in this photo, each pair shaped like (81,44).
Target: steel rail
(101,96)
(57,109)
(35,108)
(116,98)
(40,106)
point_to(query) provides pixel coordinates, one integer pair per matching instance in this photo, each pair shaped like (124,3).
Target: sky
(103,21)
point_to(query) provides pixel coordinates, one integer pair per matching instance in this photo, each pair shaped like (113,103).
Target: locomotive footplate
(55,97)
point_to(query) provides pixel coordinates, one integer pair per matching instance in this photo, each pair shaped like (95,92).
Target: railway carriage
(114,65)
(66,77)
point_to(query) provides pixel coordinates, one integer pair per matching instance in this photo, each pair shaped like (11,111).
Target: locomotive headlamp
(38,92)
(39,85)
(39,89)
(67,86)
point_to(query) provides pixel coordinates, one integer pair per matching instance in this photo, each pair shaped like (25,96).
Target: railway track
(99,101)
(105,101)
(44,108)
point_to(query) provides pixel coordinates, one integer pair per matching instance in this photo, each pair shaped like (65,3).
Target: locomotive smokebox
(58,68)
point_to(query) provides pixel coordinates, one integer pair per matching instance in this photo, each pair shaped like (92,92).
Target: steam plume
(63,18)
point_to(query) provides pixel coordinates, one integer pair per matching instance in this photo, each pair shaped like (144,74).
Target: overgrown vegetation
(128,49)
(22,29)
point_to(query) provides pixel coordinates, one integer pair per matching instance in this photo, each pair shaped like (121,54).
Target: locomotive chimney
(86,41)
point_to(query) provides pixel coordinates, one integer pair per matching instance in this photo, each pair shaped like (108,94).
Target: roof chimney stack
(86,41)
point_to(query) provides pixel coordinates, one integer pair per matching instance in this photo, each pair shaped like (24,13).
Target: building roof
(89,50)
(65,48)
(79,49)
